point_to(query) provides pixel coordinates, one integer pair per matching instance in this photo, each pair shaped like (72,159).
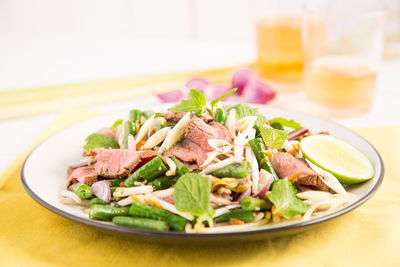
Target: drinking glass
(342,57)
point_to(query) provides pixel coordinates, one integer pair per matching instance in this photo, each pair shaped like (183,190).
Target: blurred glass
(279,43)
(343,55)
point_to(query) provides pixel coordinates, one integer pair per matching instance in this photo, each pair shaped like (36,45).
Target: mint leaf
(273,138)
(196,103)
(192,195)
(283,195)
(279,123)
(243,110)
(215,101)
(115,125)
(96,140)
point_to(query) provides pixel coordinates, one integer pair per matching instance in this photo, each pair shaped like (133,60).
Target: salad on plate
(203,167)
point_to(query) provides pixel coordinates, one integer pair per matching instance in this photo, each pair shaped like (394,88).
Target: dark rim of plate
(143,232)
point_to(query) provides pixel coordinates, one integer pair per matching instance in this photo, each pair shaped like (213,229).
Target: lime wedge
(347,163)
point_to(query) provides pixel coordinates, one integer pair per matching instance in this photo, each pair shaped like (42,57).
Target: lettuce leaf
(273,138)
(96,140)
(279,123)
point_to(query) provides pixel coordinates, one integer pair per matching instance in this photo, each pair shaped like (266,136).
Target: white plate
(44,172)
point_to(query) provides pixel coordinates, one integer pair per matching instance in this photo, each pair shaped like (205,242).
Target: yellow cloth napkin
(30,235)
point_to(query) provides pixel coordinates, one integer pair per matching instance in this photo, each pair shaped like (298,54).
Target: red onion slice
(197,84)
(81,163)
(171,96)
(297,133)
(246,193)
(258,93)
(265,181)
(241,78)
(102,190)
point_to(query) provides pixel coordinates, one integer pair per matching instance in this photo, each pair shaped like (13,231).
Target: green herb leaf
(283,195)
(273,138)
(96,140)
(116,123)
(196,103)
(215,101)
(243,110)
(192,195)
(279,123)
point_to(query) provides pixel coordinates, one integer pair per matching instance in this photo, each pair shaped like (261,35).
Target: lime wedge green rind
(348,164)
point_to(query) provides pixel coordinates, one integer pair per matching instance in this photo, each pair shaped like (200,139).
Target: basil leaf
(273,138)
(196,103)
(192,195)
(283,196)
(96,140)
(215,101)
(243,110)
(279,123)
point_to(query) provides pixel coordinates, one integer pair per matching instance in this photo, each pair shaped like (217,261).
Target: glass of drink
(280,53)
(342,59)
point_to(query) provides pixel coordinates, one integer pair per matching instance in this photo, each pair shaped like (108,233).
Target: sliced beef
(286,164)
(195,145)
(173,117)
(119,163)
(85,175)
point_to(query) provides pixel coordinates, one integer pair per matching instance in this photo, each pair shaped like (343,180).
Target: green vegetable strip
(181,168)
(128,129)
(98,201)
(257,146)
(144,211)
(243,215)
(134,116)
(233,170)
(163,182)
(106,213)
(115,182)
(149,171)
(140,223)
(220,116)
(256,204)
(82,190)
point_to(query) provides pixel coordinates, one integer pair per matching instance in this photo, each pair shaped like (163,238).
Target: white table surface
(39,64)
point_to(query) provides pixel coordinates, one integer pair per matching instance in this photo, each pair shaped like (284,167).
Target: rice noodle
(218,165)
(144,129)
(125,202)
(131,143)
(171,165)
(157,137)
(175,134)
(329,179)
(127,191)
(245,123)
(234,228)
(171,208)
(231,122)
(163,193)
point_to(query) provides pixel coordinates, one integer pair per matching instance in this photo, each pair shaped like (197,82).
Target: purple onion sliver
(297,133)
(171,96)
(246,193)
(102,190)
(81,163)
(262,192)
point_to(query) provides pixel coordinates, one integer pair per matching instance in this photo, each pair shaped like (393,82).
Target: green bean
(257,146)
(220,116)
(140,223)
(149,171)
(98,201)
(144,211)
(115,182)
(147,114)
(128,129)
(82,190)
(116,124)
(163,182)
(243,215)
(134,115)
(106,213)
(181,168)
(255,204)
(233,170)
